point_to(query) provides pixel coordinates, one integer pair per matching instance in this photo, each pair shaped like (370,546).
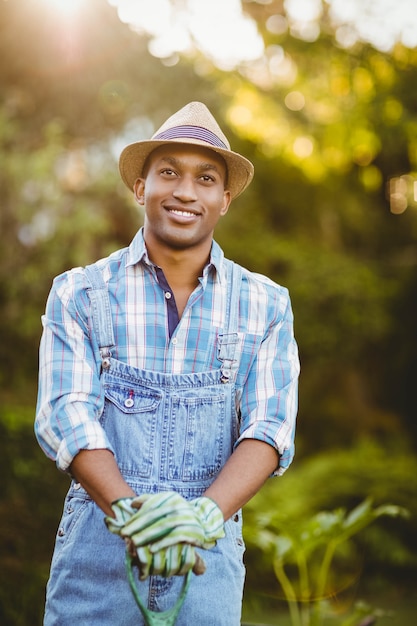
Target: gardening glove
(167,519)
(123,511)
(176,560)
(153,507)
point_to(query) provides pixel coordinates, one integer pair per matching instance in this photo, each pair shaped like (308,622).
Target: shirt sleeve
(70,397)
(269,398)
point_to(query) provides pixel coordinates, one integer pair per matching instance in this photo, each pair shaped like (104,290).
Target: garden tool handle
(153,618)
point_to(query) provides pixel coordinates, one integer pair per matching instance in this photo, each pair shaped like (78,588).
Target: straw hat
(193,124)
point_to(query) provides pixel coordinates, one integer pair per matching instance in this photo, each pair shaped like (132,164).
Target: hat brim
(132,160)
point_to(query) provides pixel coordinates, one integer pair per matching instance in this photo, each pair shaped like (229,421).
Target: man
(168,382)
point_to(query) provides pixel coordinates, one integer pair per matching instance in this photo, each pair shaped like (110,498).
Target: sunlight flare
(64,7)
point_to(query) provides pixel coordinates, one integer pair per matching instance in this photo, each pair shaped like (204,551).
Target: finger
(144,562)
(147,516)
(169,499)
(185,533)
(173,562)
(149,529)
(186,557)
(159,562)
(199,566)
(113,526)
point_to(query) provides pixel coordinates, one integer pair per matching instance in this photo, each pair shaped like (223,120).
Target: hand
(167,519)
(176,560)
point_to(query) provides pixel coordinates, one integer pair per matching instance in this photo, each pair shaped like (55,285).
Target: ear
(226,203)
(139,190)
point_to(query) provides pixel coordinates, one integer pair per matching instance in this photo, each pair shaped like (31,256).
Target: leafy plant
(304,557)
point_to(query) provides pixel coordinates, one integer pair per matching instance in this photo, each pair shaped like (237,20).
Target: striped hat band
(191,132)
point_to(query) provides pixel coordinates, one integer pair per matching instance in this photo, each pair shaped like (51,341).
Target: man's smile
(182,212)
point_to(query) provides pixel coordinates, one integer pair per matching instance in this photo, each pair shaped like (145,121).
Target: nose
(185,189)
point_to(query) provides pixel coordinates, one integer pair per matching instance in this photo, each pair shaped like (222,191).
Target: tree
(69,93)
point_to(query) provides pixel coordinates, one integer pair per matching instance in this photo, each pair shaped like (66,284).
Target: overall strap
(229,340)
(100,312)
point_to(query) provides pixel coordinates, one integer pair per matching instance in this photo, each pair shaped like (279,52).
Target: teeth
(182,213)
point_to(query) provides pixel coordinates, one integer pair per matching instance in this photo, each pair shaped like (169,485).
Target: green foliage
(298,528)
(31,496)
(312,548)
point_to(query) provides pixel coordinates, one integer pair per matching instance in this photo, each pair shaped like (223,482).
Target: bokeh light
(64,7)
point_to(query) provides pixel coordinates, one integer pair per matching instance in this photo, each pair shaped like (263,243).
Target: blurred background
(322,96)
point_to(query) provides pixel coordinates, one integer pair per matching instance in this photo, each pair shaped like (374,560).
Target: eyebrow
(203,166)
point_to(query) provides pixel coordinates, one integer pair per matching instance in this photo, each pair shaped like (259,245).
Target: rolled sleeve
(70,397)
(269,399)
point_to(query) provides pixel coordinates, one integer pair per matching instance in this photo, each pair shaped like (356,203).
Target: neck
(182,268)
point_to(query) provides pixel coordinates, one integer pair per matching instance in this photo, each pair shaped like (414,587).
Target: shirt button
(168,295)
(129,403)
(77,486)
(175,341)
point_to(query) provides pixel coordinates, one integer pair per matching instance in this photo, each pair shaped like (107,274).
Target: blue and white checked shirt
(148,336)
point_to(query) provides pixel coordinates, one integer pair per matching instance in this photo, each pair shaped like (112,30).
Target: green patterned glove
(154,518)
(167,519)
(123,511)
(210,518)
(152,506)
(176,560)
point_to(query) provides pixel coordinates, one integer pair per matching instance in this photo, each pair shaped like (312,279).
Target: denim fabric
(169,432)
(88,583)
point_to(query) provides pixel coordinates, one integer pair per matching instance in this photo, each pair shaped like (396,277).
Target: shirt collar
(137,252)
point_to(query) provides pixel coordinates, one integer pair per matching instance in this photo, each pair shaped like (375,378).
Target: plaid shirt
(150,336)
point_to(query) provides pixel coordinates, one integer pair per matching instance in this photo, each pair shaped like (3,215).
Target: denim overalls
(168,432)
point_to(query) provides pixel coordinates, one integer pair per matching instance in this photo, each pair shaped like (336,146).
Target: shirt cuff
(90,436)
(284,449)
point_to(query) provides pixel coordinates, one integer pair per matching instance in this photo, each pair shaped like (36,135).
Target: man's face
(184,196)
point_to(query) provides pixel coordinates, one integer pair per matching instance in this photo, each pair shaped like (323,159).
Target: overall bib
(169,432)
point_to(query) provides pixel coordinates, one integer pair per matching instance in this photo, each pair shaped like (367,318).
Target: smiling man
(167,391)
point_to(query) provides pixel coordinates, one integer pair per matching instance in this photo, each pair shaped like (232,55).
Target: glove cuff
(210,517)
(123,511)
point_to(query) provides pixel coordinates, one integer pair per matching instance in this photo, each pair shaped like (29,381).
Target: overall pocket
(130,421)
(198,435)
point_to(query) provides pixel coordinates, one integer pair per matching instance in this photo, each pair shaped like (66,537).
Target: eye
(167,171)
(208,178)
